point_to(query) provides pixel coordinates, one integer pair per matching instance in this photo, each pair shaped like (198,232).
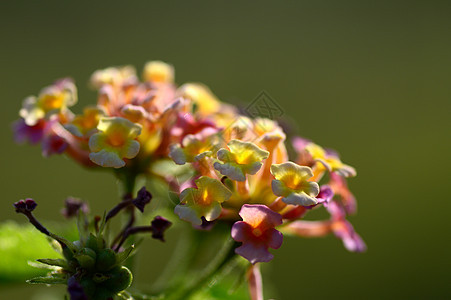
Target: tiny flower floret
(27,205)
(143,198)
(291,183)
(158,71)
(195,147)
(205,201)
(115,141)
(329,160)
(242,158)
(344,230)
(84,124)
(257,233)
(159,225)
(52,99)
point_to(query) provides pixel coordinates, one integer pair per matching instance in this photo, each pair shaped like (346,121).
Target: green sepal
(92,243)
(58,262)
(122,256)
(85,261)
(120,279)
(106,259)
(62,240)
(51,279)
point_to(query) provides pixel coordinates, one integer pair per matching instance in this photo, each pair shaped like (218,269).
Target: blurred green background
(368,78)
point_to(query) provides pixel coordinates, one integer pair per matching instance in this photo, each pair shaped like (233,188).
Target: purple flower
(343,229)
(53,144)
(33,134)
(257,233)
(142,199)
(72,206)
(159,225)
(75,290)
(27,205)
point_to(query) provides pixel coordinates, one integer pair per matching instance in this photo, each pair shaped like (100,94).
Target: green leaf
(21,243)
(48,280)
(59,262)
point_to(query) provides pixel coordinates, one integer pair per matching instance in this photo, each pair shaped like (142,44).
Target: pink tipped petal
(257,232)
(258,214)
(275,238)
(351,240)
(239,231)
(254,253)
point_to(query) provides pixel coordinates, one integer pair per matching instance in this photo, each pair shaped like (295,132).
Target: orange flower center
(116,139)
(257,232)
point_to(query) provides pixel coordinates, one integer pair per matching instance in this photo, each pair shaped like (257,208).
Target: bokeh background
(368,78)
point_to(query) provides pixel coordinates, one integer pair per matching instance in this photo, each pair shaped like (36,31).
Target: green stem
(182,256)
(221,258)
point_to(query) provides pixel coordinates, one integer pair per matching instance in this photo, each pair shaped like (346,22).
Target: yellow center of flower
(50,102)
(116,139)
(257,232)
(205,198)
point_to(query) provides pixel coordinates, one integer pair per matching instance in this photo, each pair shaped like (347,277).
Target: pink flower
(257,233)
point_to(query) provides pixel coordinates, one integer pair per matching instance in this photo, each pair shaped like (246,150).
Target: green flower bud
(106,259)
(92,242)
(121,278)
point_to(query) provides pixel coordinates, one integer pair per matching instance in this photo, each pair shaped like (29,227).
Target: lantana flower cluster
(244,176)
(239,170)
(131,125)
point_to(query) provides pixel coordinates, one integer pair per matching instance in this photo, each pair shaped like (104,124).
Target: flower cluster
(131,125)
(238,171)
(244,176)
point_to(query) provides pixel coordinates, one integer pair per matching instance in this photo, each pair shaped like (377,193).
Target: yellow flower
(114,76)
(195,147)
(158,71)
(243,158)
(291,183)
(51,100)
(205,201)
(205,101)
(83,125)
(328,161)
(115,141)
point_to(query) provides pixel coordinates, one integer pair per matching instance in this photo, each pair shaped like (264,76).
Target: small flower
(24,132)
(134,113)
(115,141)
(114,76)
(142,199)
(159,225)
(72,206)
(24,206)
(75,289)
(291,183)
(53,144)
(325,195)
(344,230)
(195,147)
(205,201)
(340,187)
(337,224)
(325,159)
(52,99)
(83,125)
(243,158)
(205,101)
(257,233)
(158,71)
